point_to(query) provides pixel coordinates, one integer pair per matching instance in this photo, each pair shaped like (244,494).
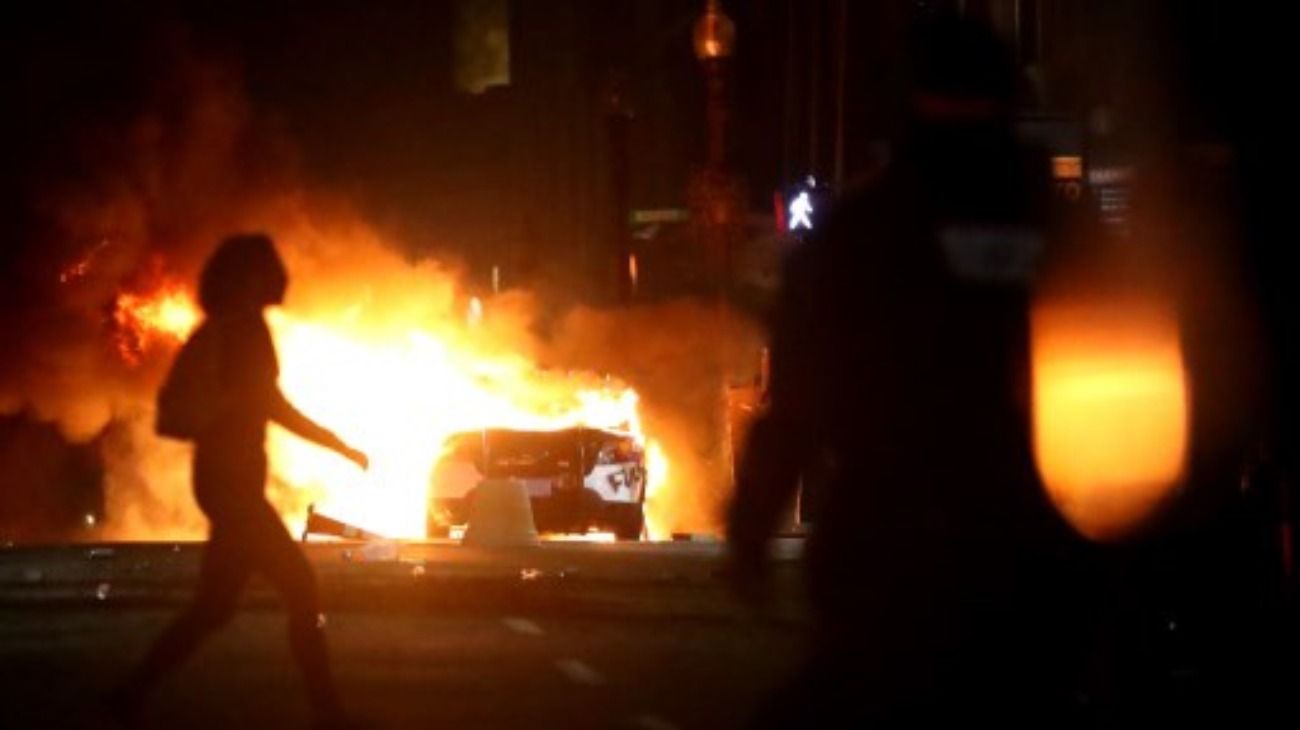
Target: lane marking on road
(522,626)
(652,722)
(580,672)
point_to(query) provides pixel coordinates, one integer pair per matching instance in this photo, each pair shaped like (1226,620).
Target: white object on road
(501,515)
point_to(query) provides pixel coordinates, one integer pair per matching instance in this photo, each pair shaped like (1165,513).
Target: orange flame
(656,464)
(1110,411)
(166,315)
(400,394)
(396,388)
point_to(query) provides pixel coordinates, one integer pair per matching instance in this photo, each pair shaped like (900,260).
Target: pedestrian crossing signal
(798,207)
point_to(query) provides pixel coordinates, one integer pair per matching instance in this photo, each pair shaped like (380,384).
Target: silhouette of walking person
(220,394)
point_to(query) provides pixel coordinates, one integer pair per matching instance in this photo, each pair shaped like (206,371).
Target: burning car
(424,384)
(577,478)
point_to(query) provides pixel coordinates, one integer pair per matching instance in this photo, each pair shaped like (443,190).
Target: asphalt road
(564,635)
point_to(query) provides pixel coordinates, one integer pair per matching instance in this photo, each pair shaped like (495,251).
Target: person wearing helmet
(899,353)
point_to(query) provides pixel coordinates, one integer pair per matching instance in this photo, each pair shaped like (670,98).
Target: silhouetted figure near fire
(220,394)
(900,353)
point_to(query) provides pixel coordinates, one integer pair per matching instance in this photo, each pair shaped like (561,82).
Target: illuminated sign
(1067,167)
(801,209)
(1067,172)
(796,210)
(1111,186)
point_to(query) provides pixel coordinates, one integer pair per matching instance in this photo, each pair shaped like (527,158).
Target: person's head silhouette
(244,275)
(960,71)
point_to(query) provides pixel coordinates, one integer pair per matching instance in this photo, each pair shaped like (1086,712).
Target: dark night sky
(364,92)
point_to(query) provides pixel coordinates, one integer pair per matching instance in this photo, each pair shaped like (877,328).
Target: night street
(584,635)
(649,364)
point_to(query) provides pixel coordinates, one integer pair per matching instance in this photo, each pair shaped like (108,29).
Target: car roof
(574,431)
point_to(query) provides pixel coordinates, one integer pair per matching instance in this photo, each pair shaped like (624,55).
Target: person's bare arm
(284,413)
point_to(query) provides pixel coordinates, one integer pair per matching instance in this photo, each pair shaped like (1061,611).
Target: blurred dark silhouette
(1231,59)
(900,354)
(221,393)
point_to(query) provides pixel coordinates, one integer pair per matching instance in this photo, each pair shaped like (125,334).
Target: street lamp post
(716,197)
(717,202)
(715,39)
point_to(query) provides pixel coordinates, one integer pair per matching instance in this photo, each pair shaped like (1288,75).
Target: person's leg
(283,563)
(222,575)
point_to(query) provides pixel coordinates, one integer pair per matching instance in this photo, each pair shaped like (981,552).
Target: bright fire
(1110,411)
(167,314)
(396,390)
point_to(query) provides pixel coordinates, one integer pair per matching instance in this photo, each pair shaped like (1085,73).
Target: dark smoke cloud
(151,153)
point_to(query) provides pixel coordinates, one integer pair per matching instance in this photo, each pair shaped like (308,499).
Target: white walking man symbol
(801,209)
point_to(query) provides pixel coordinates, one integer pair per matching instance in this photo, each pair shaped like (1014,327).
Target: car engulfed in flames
(578,480)
(437,411)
